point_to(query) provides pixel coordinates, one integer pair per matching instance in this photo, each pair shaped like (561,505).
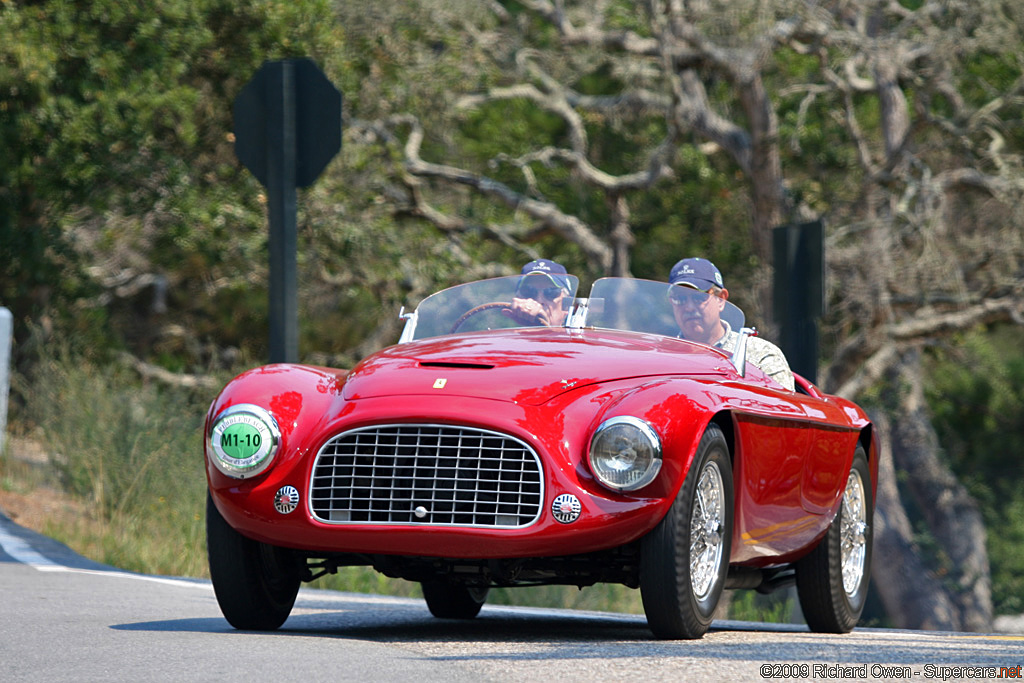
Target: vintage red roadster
(480,452)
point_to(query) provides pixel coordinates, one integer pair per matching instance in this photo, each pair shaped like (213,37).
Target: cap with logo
(698,273)
(555,272)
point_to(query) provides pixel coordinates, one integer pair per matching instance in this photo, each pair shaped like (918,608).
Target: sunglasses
(681,296)
(550,293)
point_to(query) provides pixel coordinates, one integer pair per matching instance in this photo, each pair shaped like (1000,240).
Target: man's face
(698,314)
(542,297)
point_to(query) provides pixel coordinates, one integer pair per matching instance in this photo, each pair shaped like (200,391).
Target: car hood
(529,366)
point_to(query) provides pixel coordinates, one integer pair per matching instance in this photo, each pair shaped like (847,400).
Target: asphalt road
(64,618)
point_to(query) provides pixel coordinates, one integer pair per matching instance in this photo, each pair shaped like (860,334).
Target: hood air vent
(453,364)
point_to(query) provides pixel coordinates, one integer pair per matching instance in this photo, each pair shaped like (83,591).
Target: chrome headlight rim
(653,441)
(256,437)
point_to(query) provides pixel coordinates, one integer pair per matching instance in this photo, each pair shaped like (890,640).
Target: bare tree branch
(591,34)
(929,324)
(570,227)
(155,372)
(864,359)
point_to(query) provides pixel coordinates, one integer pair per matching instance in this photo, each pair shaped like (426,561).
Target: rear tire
(453,600)
(684,560)
(832,580)
(255,583)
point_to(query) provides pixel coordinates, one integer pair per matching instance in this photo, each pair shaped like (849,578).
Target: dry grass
(29,493)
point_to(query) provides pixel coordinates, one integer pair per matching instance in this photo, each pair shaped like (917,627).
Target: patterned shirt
(762,353)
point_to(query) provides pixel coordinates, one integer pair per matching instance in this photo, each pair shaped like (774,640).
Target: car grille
(433,475)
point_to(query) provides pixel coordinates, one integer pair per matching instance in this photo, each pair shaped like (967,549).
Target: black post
(281,203)
(799,292)
(287,128)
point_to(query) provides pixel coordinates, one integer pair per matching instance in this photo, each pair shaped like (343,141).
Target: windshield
(646,306)
(614,303)
(490,304)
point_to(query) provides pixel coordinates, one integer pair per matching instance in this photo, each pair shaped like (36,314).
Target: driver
(542,295)
(698,298)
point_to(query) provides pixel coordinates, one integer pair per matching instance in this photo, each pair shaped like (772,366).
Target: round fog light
(625,453)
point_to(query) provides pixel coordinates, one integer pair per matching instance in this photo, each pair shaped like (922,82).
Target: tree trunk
(912,595)
(621,236)
(952,516)
(766,181)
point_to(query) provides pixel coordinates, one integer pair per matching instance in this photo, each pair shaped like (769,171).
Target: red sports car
(480,452)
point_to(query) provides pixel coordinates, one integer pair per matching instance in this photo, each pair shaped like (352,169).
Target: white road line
(129,575)
(24,553)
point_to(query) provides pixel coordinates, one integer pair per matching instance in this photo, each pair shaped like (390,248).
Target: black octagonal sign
(288,102)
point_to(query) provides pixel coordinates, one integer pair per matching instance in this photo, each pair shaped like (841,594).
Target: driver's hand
(526,312)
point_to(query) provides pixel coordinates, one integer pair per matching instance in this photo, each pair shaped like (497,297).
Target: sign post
(799,292)
(287,125)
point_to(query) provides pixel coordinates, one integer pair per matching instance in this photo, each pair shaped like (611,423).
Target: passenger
(698,297)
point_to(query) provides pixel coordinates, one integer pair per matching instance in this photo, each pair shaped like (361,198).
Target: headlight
(243,440)
(625,453)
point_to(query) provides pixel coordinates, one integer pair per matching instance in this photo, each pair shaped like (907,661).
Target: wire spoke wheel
(706,525)
(832,580)
(853,544)
(684,560)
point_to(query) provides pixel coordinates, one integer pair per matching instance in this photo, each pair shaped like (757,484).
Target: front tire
(255,583)
(453,600)
(832,580)
(685,559)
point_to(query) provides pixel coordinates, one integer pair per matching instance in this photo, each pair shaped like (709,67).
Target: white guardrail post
(6,332)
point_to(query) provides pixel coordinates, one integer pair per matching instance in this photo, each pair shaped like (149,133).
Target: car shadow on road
(533,634)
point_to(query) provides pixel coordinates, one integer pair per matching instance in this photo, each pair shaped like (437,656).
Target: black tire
(447,600)
(829,605)
(679,599)
(255,583)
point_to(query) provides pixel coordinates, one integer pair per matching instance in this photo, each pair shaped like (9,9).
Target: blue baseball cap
(698,273)
(549,269)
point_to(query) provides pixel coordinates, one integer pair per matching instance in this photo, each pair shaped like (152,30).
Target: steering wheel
(476,310)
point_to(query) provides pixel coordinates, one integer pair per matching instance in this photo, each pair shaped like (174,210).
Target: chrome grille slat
(461,476)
